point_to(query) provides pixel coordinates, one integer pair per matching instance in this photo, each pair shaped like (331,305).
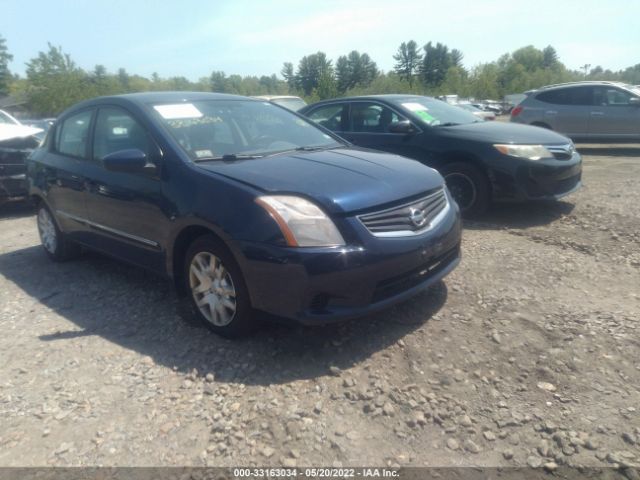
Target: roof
(274,97)
(144,98)
(388,97)
(166,97)
(568,84)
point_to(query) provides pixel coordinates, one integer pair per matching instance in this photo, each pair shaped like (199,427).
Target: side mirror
(404,126)
(635,101)
(132,160)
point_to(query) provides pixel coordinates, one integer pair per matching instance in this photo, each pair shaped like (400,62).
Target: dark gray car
(593,111)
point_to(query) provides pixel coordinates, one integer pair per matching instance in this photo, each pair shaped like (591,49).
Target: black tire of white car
(468,186)
(54,242)
(215,288)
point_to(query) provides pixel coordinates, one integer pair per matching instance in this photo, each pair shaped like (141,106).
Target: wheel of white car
(55,243)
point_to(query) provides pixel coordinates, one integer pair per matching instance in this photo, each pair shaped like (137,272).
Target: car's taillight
(516,111)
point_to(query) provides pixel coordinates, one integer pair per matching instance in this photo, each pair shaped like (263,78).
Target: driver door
(126,211)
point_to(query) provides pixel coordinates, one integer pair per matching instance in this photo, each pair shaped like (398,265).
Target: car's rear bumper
(317,286)
(547,179)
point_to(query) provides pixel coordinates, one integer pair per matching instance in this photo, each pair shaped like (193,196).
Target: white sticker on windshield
(179,110)
(414,107)
(203,153)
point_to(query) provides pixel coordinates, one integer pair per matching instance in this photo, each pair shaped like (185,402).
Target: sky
(192,38)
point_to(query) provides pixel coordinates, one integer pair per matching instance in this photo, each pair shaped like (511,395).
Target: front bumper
(320,285)
(13,186)
(548,179)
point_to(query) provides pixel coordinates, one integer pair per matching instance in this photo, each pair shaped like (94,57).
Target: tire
(216,290)
(468,186)
(56,244)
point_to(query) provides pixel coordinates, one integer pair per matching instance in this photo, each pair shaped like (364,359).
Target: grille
(561,152)
(408,219)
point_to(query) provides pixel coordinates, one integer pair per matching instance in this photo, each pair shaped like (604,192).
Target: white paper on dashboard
(178,110)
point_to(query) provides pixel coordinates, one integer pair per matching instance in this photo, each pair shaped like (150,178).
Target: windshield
(634,88)
(436,112)
(294,104)
(212,129)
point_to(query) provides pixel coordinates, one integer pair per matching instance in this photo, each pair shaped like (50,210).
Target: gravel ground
(528,354)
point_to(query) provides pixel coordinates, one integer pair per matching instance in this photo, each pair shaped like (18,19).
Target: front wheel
(216,288)
(55,243)
(468,186)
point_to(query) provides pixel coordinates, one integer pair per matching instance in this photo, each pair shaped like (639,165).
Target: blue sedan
(246,206)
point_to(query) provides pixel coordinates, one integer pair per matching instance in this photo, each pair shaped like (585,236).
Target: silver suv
(584,110)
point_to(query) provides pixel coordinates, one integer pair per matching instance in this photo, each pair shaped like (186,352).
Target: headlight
(302,223)
(530,152)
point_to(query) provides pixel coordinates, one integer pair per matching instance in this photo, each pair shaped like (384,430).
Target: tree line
(53,81)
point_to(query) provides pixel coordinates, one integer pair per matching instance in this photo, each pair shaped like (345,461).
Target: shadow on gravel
(520,215)
(139,311)
(16,210)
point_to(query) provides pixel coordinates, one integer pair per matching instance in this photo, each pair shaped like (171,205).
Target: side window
(568,96)
(329,116)
(73,134)
(612,97)
(372,117)
(117,130)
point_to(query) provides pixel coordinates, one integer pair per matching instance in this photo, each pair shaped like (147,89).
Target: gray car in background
(593,111)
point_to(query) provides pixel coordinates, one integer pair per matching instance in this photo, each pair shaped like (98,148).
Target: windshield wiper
(228,157)
(448,124)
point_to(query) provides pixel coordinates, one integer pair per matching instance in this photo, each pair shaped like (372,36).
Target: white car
(287,101)
(483,114)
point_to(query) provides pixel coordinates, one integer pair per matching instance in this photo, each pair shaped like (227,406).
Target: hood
(341,180)
(502,132)
(9,131)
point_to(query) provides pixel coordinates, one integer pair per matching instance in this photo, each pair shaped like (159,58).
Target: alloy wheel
(47,231)
(212,289)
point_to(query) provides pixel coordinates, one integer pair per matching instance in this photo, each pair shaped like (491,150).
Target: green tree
(55,82)
(456,57)
(355,69)
(435,63)
(310,69)
(288,75)
(408,60)
(123,79)
(5,74)
(218,82)
(549,57)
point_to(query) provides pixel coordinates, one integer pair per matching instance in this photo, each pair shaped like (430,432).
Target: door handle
(551,112)
(597,114)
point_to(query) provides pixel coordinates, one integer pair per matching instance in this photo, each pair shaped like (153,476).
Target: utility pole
(586,67)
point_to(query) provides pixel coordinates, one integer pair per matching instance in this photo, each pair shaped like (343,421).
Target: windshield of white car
(436,113)
(219,129)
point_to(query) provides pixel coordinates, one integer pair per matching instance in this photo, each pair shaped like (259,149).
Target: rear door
(65,173)
(126,209)
(613,115)
(567,110)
